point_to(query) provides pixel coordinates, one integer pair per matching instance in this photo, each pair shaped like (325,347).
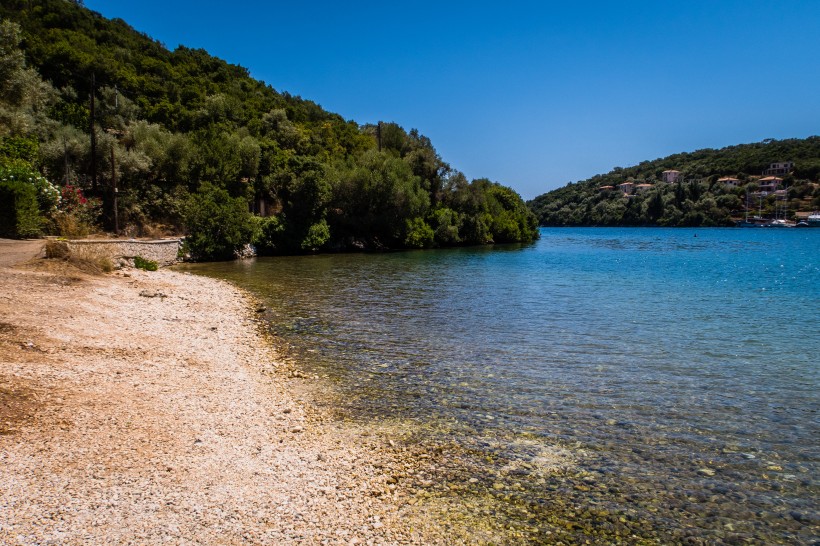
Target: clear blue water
(678,368)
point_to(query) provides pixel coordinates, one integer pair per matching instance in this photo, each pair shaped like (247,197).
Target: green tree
(24,96)
(218,225)
(419,234)
(376,197)
(655,206)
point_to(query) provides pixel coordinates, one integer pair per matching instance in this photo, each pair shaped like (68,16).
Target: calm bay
(616,385)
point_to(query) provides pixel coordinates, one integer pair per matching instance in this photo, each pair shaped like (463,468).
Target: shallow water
(670,375)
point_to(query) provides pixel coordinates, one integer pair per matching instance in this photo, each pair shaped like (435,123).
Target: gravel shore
(147,407)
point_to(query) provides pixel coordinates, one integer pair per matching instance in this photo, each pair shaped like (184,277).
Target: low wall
(163,251)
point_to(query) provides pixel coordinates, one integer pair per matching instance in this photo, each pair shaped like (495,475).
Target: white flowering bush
(48,195)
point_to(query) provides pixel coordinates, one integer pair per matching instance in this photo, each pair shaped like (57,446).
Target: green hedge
(19,212)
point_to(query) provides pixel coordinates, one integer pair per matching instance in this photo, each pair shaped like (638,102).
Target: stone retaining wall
(163,251)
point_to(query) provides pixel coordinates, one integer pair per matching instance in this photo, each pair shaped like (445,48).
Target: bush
(419,234)
(218,225)
(68,225)
(57,250)
(269,233)
(88,260)
(48,195)
(447,223)
(84,211)
(19,213)
(317,235)
(146,265)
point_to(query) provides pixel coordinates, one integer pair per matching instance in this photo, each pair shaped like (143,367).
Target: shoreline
(149,407)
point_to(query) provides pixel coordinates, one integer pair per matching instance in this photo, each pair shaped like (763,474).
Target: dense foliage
(699,199)
(219,224)
(19,215)
(173,129)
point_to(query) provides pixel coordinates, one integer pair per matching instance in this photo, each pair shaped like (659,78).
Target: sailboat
(759,221)
(754,221)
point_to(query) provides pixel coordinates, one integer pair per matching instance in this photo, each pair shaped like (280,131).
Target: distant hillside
(181,131)
(699,197)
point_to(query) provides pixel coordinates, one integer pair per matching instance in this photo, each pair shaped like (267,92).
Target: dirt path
(13,252)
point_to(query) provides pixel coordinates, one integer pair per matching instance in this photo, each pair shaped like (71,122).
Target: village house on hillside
(671,176)
(781,168)
(729,182)
(626,187)
(769,184)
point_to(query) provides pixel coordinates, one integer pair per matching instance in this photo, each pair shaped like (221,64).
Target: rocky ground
(145,408)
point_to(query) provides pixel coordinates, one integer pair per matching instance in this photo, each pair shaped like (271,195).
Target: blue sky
(529,94)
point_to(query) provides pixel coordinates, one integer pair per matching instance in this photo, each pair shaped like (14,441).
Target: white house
(769,183)
(729,182)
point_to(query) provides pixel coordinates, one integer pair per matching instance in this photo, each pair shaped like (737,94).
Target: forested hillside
(699,197)
(193,143)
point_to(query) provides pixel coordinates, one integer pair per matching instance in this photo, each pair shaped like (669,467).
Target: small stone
(152,294)
(706,472)
(297,429)
(802,518)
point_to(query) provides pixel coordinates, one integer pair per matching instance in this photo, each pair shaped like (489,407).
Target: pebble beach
(150,408)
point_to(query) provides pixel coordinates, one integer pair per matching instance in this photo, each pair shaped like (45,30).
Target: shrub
(75,215)
(269,232)
(317,235)
(146,265)
(447,223)
(218,225)
(89,260)
(57,250)
(19,213)
(419,234)
(48,195)
(68,225)
(74,202)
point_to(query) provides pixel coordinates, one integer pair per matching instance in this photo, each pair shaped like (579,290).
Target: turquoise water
(672,373)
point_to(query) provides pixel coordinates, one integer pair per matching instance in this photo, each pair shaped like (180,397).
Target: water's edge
(588,455)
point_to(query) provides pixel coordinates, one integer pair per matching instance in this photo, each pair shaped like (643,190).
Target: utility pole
(114,190)
(93,139)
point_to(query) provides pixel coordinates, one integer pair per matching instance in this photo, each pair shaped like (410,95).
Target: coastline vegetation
(700,197)
(181,141)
